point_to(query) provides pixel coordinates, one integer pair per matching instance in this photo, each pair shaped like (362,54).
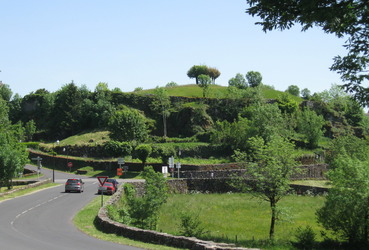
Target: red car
(108,188)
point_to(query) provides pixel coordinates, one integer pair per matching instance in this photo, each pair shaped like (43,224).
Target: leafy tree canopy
(346,18)
(254,78)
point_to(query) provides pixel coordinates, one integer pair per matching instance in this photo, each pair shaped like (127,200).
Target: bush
(164,152)
(143,151)
(305,238)
(118,149)
(191,226)
(144,210)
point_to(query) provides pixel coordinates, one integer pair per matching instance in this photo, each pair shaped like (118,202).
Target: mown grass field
(241,217)
(216,91)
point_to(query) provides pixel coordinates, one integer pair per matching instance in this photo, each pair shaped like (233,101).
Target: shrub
(144,209)
(116,148)
(305,238)
(143,151)
(191,226)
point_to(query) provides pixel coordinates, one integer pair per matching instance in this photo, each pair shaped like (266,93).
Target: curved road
(43,220)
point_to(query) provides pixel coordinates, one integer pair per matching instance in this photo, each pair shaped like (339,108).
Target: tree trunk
(165,126)
(273,218)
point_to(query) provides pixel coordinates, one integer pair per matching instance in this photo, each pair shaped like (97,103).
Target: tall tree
(346,18)
(162,105)
(293,90)
(254,78)
(214,73)
(13,156)
(127,124)
(5,92)
(67,111)
(346,209)
(268,176)
(238,81)
(197,70)
(305,93)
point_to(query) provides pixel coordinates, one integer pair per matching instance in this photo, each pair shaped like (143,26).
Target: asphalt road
(43,220)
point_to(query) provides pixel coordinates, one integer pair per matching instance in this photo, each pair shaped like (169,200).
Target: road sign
(70,164)
(102,179)
(119,171)
(38,158)
(120,161)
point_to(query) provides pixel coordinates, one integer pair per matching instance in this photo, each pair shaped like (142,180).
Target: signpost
(120,163)
(102,180)
(178,167)
(38,159)
(171,165)
(70,165)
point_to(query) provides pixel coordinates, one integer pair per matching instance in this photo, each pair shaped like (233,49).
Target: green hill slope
(216,91)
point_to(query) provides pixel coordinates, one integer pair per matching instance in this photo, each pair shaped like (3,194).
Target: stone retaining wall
(109,226)
(184,186)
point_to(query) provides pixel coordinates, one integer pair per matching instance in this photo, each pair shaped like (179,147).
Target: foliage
(190,225)
(233,135)
(310,125)
(197,70)
(266,121)
(30,130)
(305,238)
(345,18)
(117,149)
(287,104)
(5,92)
(306,93)
(346,210)
(164,151)
(162,105)
(347,145)
(171,84)
(143,151)
(293,90)
(204,82)
(137,89)
(144,210)
(13,155)
(191,118)
(213,73)
(254,78)
(127,124)
(270,172)
(68,109)
(238,81)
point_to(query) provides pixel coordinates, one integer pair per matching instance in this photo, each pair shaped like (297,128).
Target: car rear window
(73,181)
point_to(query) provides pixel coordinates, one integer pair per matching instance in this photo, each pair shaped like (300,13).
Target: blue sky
(142,43)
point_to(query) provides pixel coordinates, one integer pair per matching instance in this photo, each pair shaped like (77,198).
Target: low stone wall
(33,184)
(184,186)
(316,171)
(150,236)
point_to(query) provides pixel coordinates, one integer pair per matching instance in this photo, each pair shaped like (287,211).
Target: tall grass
(241,218)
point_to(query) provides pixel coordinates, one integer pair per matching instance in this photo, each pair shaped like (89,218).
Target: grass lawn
(241,217)
(25,191)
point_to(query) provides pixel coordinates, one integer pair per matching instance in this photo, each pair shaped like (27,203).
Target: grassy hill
(216,91)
